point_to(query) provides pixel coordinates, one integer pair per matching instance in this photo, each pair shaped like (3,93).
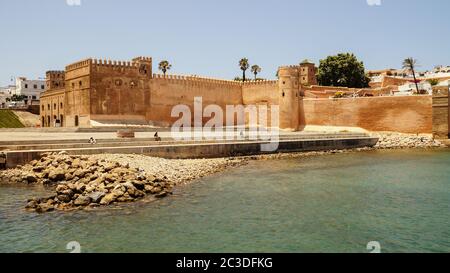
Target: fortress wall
(77,97)
(118,92)
(411,114)
(171,90)
(315,91)
(260,92)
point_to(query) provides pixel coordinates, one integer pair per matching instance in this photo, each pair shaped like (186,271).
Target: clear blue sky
(208,37)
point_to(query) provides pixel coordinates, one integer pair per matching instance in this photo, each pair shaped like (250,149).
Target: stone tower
(55,80)
(144,65)
(289,97)
(308,73)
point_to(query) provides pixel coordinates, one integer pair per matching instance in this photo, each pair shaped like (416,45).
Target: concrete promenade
(22,147)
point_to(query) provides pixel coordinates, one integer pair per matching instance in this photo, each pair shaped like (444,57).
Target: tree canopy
(343,70)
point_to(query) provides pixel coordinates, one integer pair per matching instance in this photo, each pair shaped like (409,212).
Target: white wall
(32,89)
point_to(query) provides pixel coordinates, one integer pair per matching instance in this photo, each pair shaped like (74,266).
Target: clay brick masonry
(93,92)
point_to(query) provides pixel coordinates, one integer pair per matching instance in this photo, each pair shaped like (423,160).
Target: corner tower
(289,96)
(144,65)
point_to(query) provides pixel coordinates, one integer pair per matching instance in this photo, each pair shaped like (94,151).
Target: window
(48,107)
(54,107)
(80,83)
(43,108)
(26,86)
(76,121)
(61,105)
(73,85)
(42,87)
(33,97)
(35,86)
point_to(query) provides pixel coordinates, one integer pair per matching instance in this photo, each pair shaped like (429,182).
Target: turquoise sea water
(332,203)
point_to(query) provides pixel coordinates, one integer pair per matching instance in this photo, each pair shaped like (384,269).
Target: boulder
(57,175)
(108,199)
(82,201)
(32,204)
(148,188)
(42,208)
(96,197)
(61,188)
(140,185)
(64,198)
(31,179)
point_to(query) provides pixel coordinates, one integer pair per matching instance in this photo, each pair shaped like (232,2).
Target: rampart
(409,114)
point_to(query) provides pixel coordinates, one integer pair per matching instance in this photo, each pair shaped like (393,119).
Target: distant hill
(9,120)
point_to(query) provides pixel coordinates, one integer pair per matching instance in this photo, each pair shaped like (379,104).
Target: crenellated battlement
(78,65)
(142,59)
(289,67)
(55,74)
(261,82)
(196,80)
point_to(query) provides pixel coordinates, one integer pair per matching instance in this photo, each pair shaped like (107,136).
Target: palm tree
(164,66)
(256,69)
(410,65)
(244,65)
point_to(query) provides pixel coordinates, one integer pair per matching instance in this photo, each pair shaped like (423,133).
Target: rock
(64,198)
(108,199)
(38,169)
(57,175)
(31,179)
(80,188)
(140,185)
(61,188)
(131,189)
(80,173)
(156,190)
(96,197)
(82,201)
(42,208)
(148,188)
(161,194)
(32,204)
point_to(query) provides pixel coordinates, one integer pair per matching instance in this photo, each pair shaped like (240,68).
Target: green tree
(18,98)
(433,82)
(343,70)
(255,70)
(410,65)
(164,66)
(244,65)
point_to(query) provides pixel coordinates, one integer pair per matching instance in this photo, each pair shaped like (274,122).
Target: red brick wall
(412,114)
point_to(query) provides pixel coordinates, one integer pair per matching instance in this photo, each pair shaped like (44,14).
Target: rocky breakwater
(403,141)
(81,182)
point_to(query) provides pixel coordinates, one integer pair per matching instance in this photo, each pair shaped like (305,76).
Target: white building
(31,89)
(6,93)
(410,88)
(444,83)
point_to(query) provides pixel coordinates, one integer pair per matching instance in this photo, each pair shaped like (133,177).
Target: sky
(208,37)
